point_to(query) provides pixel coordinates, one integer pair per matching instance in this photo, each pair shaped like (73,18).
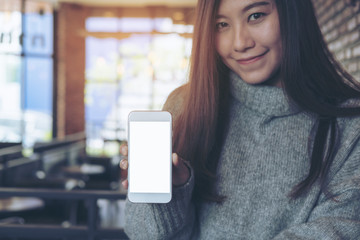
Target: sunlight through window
(134,68)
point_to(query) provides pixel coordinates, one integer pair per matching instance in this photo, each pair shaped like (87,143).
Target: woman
(269,127)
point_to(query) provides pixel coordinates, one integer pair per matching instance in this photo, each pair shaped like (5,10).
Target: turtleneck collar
(266,100)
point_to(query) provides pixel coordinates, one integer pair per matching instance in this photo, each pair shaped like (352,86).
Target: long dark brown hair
(311,78)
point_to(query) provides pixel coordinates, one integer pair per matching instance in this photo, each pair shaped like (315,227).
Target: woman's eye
(255,16)
(221,25)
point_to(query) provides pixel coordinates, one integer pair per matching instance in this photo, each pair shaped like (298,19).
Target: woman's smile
(250,60)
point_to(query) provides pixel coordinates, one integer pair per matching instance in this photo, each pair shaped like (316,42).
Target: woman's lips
(250,60)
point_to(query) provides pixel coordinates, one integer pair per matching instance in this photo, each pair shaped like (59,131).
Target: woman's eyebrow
(247,8)
(256,4)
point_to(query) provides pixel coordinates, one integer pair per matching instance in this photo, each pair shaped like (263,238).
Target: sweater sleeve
(174,220)
(336,216)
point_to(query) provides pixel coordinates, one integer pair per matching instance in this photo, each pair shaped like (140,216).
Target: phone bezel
(149,116)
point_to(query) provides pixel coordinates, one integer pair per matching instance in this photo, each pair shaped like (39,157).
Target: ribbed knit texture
(264,156)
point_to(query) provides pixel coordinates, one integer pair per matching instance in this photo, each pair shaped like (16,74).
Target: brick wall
(71,69)
(339,21)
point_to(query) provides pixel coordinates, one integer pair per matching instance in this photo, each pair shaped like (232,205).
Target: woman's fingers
(181,172)
(124,164)
(175,159)
(124,149)
(124,169)
(125,184)
(124,172)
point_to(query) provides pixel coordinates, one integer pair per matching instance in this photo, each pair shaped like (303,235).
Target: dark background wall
(340,23)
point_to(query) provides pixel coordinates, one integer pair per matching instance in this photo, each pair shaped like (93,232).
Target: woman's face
(248,39)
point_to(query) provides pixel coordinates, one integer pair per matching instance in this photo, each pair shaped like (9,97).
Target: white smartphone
(149,156)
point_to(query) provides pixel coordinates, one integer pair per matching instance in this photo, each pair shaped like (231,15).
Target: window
(26,71)
(134,68)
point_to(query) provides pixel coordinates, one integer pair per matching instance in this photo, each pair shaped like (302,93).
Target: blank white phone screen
(150,157)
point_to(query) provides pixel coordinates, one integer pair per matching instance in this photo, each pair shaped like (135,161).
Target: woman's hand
(180,172)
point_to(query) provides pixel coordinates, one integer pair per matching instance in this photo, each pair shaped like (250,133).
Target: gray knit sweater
(265,154)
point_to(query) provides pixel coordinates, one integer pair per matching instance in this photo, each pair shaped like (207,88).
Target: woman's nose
(243,40)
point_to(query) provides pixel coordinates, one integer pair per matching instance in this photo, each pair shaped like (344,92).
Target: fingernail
(123,164)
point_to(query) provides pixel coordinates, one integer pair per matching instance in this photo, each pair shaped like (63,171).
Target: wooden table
(17,204)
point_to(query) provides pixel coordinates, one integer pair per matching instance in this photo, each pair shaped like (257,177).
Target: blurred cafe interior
(70,72)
